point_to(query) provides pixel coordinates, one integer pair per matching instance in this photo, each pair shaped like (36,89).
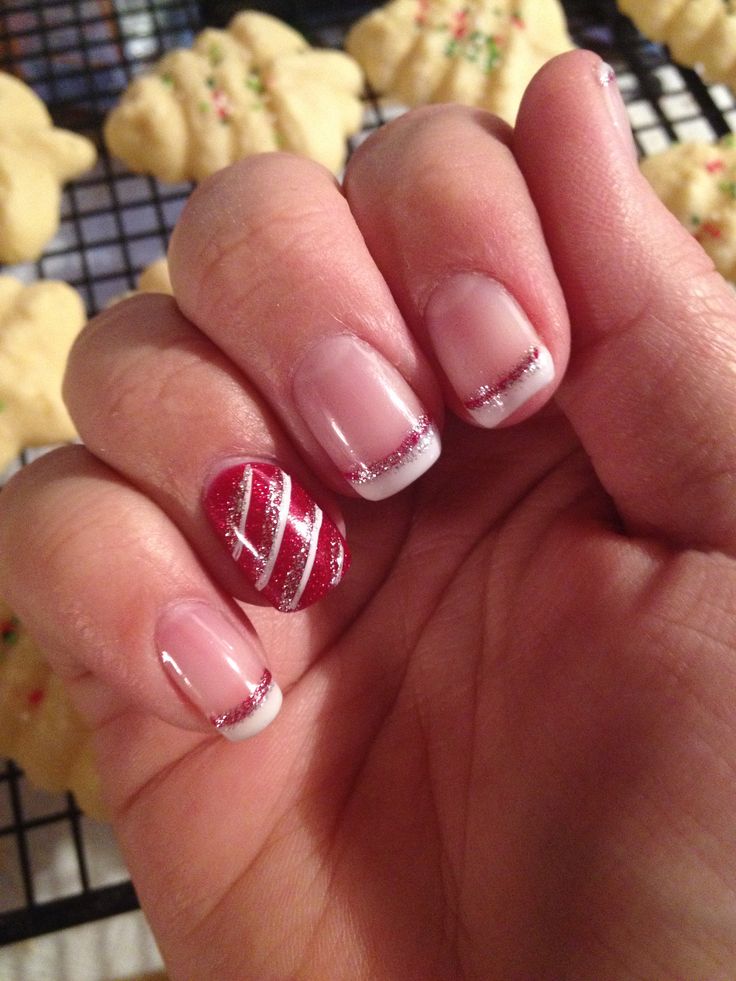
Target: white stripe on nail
(314,536)
(273,554)
(244,509)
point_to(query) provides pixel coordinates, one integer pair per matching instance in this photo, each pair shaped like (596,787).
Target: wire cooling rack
(79,55)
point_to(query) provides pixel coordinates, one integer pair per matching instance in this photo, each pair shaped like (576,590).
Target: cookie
(698,32)
(254,87)
(36,158)
(155,278)
(481,53)
(38,324)
(39,727)
(697,182)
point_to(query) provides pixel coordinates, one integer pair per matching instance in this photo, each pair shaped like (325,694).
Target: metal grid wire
(78,55)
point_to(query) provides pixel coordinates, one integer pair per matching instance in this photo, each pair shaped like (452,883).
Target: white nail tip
(493,403)
(257,720)
(419,451)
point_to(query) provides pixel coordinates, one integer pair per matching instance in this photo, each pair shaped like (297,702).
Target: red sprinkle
(715,166)
(462,25)
(36,696)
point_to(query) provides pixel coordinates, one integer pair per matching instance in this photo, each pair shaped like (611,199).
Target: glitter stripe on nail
(248,706)
(311,555)
(288,546)
(239,539)
(417,440)
(283,517)
(496,393)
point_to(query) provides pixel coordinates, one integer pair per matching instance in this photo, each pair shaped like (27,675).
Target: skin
(508,742)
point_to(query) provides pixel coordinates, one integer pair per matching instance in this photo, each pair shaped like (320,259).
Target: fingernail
(606,78)
(362,412)
(286,545)
(491,354)
(218,667)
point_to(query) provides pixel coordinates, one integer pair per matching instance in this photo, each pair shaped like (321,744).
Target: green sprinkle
(254,83)
(493,55)
(729,188)
(203,107)
(215,55)
(210,82)
(167,79)
(9,631)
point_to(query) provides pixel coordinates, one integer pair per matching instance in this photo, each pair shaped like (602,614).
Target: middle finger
(268,262)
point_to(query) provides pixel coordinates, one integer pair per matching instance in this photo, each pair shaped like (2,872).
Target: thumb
(652,378)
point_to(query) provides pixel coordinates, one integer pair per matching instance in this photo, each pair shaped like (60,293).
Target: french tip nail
(494,403)
(249,718)
(217,664)
(418,451)
(365,415)
(605,73)
(608,82)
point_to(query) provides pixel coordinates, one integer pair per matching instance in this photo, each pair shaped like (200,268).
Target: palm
(450,791)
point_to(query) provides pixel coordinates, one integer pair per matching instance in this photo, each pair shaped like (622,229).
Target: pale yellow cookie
(155,278)
(39,727)
(256,86)
(699,32)
(38,324)
(481,52)
(36,158)
(697,182)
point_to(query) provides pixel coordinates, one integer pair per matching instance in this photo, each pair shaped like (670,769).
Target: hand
(508,737)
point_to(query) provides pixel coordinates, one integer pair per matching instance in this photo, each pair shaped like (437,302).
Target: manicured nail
(606,78)
(285,544)
(218,667)
(365,416)
(491,354)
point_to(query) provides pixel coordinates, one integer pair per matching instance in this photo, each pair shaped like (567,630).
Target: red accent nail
(284,543)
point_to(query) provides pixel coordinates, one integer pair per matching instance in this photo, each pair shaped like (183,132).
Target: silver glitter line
(244,493)
(306,571)
(248,706)
(337,562)
(282,518)
(298,560)
(494,394)
(420,436)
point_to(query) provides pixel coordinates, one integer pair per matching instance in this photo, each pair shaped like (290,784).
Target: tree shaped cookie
(697,182)
(256,86)
(39,727)
(481,52)
(38,324)
(36,158)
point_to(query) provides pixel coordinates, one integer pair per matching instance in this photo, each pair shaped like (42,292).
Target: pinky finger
(113,593)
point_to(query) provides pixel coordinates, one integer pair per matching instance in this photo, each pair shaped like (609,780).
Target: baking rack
(78,55)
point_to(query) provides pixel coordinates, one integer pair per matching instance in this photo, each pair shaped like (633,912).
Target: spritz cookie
(38,325)
(36,158)
(254,87)
(39,727)
(480,53)
(698,32)
(697,182)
